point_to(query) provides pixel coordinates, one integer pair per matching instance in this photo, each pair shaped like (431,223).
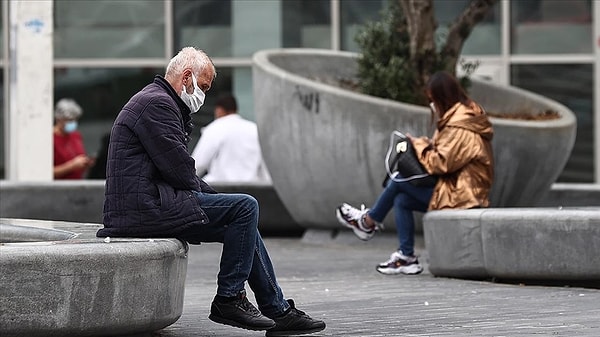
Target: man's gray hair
(67,108)
(189,57)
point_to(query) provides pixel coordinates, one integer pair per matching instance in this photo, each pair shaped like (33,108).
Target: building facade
(103,51)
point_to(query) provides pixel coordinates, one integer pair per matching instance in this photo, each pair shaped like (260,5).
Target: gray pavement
(334,279)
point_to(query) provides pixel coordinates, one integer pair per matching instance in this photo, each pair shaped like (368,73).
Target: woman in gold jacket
(459,154)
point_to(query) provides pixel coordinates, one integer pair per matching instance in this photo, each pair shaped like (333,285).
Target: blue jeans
(405,198)
(234,222)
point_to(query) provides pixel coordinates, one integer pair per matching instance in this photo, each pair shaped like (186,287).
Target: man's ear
(186,73)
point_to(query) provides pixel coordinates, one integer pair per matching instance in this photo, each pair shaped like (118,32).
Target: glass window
(486,35)
(2,126)
(306,24)
(557,26)
(2,29)
(238,28)
(571,85)
(101,93)
(109,29)
(205,24)
(354,14)
(484,39)
(2,102)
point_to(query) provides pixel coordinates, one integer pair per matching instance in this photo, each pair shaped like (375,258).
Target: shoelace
(355,213)
(247,306)
(297,311)
(395,257)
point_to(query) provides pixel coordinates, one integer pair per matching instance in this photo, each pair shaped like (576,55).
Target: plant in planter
(395,62)
(325,144)
(399,52)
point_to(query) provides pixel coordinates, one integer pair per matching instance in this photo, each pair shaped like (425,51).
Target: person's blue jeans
(233,221)
(405,198)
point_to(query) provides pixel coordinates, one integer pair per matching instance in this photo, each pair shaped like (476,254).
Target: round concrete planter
(325,145)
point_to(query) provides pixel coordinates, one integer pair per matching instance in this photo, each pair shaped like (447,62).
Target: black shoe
(295,322)
(240,313)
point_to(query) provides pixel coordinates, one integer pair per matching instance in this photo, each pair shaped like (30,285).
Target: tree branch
(461,28)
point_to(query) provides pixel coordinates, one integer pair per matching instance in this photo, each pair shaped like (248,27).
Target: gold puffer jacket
(460,153)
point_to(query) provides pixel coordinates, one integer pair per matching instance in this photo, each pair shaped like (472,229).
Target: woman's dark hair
(445,91)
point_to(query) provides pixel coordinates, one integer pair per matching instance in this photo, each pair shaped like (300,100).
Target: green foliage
(384,69)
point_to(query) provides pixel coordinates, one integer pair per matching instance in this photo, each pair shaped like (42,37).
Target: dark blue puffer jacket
(150,176)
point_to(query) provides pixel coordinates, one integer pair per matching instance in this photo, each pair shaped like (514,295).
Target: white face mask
(434,108)
(193,101)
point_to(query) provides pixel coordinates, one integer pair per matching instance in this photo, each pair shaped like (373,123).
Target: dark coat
(150,175)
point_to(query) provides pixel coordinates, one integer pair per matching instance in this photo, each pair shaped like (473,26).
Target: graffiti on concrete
(309,100)
(35,25)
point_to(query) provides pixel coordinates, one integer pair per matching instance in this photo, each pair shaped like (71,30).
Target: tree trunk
(460,30)
(421,27)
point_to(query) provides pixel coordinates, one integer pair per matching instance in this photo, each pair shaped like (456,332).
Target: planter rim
(261,60)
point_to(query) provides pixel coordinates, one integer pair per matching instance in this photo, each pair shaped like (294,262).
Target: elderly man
(152,191)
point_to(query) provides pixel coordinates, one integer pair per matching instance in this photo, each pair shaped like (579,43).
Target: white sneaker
(399,263)
(354,218)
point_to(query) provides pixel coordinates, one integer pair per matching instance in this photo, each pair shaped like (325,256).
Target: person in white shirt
(229,150)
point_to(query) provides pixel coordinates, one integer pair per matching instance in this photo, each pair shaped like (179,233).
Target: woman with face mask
(70,159)
(459,154)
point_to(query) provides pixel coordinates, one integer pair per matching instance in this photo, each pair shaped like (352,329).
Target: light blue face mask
(70,126)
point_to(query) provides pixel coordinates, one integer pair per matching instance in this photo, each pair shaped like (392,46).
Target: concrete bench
(543,244)
(58,279)
(82,201)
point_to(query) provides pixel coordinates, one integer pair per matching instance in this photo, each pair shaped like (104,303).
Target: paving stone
(334,278)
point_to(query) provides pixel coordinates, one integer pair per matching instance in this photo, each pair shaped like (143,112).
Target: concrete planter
(324,144)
